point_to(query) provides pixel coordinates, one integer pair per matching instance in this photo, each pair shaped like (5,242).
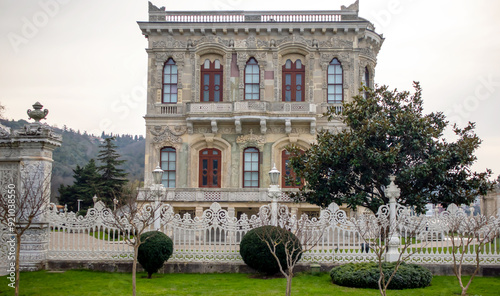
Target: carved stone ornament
(38,114)
(336,42)
(251,138)
(166,134)
(4,131)
(159,44)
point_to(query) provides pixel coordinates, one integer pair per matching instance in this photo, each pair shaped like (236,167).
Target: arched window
(335,82)
(289,178)
(366,80)
(168,165)
(211,81)
(170,82)
(252,80)
(210,168)
(293,81)
(251,161)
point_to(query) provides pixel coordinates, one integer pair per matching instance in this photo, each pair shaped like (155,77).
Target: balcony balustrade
(258,107)
(215,195)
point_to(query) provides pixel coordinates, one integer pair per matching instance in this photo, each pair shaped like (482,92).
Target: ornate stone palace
(229,90)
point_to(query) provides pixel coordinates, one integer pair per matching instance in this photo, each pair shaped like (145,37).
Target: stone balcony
(214,195)
(240,113)
(243,107)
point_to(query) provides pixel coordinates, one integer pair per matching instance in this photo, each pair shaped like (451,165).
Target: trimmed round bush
(366,275)
(256,253)
(155,249)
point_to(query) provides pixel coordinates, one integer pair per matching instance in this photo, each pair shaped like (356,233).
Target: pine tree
(86,185)
(112,178)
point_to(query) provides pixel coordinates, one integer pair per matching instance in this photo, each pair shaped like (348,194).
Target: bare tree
(469,235)
(2,109)
(296,237)
(22,203)
(134,216)
(379,232)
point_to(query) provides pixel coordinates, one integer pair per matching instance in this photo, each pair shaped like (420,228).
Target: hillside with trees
(79,148)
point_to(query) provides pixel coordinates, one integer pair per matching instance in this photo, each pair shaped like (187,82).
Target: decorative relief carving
(251,138)
(4,131)
(368,52)
(336,42)
(162,57)
(276,130)
(166,134)
(8,171)
(294,39)
(251,42)
(169,42)
(209,39)
(262,43)
(159,44)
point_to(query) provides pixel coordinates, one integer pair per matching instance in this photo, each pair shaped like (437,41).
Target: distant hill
(78,149)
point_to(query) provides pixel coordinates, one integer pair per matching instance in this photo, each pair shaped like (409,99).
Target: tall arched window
(170,82)
(211,81)
(251,158)
(366,80)
(289,178)
(168,165)
(335,82)
(293,81)
(210,168)
(252,80)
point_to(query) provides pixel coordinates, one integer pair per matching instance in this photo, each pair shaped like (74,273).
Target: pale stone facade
(193,121)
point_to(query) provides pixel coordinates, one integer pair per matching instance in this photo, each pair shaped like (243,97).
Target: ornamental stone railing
(215,235)
(257,107)
(216,195)
(161,15)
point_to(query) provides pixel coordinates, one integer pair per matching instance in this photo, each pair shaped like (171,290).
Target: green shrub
(366,275)
(255,251)
(154,251)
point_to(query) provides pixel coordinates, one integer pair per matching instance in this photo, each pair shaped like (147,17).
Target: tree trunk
(289,284)
(134,270)
(18,274)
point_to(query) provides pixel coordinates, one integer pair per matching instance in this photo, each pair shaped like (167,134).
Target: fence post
(393,192)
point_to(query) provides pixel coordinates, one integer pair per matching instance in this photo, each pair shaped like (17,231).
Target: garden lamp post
(274,192)
(115,202)
(158,187)
(78,200)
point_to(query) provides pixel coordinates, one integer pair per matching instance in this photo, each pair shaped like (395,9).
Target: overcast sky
(85,60)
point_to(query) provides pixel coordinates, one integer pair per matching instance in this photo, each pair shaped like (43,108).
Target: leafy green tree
(86,185)
(386,134)
(112,177)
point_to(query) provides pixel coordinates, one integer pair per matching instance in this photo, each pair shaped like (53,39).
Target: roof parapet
(159,14)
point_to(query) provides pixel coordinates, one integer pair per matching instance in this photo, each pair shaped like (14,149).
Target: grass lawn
(100,283)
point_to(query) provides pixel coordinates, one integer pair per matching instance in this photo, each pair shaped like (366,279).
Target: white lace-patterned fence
(215,236)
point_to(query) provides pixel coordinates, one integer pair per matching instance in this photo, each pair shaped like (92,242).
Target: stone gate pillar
(26,161)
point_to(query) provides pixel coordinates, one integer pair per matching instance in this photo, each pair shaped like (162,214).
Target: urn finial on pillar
(37,114)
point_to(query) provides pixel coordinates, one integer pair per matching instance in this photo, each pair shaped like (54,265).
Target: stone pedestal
(34,247)
(25,169)
(490,204)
